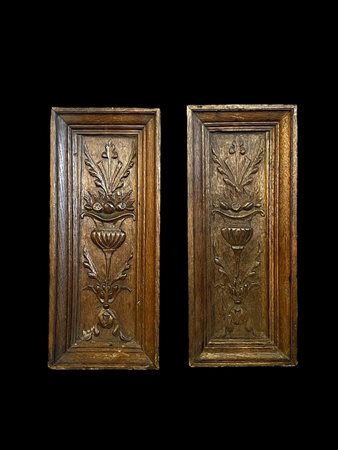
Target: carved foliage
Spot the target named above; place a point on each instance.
(238, 203)
(108, 207)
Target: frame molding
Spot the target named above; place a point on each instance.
(66, 349)
(279, 122)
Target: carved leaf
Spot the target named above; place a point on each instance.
(87, 335)
(88, 197)
(251, 272)
(230, 183)
(253, 168)
(252, 285)
(248, 206)
(223, 169)
(89, 264)
(224, 205)
(123, 273)
(125, 338)
(90, 288)
(95, 171)
(118, 183)
(218, 262)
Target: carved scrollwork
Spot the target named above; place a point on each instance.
(237, 206)
(109, 207)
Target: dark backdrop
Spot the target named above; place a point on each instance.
(150, 79)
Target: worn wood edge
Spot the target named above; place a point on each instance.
(154, 362)
(138, 360)
(52, 241)
(150, 365)
(215, 365)
(190, 230)
(158, 235)
(271, 358)
(240, 107)
(190, 208)
(294, 236)
(104, 110)
(117, 367)
(53, 236)
(61, 366)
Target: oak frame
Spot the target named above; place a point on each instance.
(66, 125)
(281, 347)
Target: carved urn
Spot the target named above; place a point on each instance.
(237, 237)
(108, 240)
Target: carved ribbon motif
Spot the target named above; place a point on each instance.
(239, 204)
(109, 207)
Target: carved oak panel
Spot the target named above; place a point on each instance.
(104, 253)
(242, 235)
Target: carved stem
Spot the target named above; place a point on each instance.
(238, 253)
(108, 254)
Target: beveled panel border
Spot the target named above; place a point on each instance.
(67, 124)
(281, 347)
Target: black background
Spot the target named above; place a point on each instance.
(171, 75)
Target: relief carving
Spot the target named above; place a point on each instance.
(108, 208)
(239, 202)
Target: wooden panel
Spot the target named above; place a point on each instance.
(242, 235)
(104, 238)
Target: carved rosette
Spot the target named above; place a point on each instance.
(237, 207)
(109, 207)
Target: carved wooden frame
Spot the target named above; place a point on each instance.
(68, 348)
(279, 122)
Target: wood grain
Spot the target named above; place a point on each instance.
(242, 235)
(104, 238)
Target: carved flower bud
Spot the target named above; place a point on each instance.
(232, 149)
(248, 206)
(97, 206)
(224, 205)
(235, 206)
(122, 206)
(109, 207)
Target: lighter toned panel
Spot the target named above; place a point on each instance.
(238, 234)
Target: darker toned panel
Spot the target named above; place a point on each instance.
(237, 244)
(104, 182)
(250, 295)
